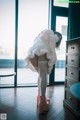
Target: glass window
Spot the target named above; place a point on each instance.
(61, 26)
(33, 18)
(7, 40)
(61, 3)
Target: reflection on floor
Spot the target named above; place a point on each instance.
(20, 104)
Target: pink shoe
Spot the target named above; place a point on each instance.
(38, 98)
(42, 104)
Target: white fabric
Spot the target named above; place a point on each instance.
(44, 43)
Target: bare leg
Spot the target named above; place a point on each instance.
(42, 102)
(42, 80)
(40, 63)
(38, 83)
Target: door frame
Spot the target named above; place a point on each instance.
(61, 12)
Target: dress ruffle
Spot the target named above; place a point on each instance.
(44, 44)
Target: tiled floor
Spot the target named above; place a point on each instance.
(21, 104)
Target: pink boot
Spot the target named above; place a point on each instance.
(42, 103)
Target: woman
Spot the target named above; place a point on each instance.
(41, 58)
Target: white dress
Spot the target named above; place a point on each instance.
(44, 43)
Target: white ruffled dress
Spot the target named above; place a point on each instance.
(44, 43)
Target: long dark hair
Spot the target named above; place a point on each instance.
(60, 38)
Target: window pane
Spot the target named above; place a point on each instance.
(61, 26)
(33, 18)
(61, 3)
(7, 40)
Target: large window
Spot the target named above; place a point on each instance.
(33, 18)
(7, 40)
(59, 22)
(61, 26)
